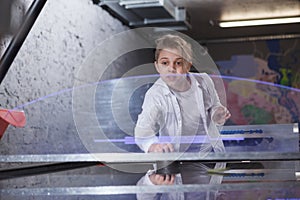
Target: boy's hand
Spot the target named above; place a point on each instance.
(161, 148)
(159, 179)
(221, 115)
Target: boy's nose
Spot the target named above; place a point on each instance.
(172, 67)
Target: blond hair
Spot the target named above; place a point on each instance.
(170, 41)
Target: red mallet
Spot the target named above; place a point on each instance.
(13, 117)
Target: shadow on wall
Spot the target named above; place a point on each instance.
(11, 15)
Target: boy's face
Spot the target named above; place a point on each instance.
(171, 66)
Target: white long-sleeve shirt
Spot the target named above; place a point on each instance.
(162, 112)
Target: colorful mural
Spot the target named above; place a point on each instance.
(263, 90)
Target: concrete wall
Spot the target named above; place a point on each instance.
(40, 82)
(62, 37)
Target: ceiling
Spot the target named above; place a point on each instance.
(203, 17)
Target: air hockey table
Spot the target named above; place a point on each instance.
(262, 162)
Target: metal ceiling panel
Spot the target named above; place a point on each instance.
(140, 13)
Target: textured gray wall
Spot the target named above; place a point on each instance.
(40, 82)
(43, 72)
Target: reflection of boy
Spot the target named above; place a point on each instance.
(178, 104)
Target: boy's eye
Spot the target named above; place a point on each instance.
(164, 63)
(178, 63)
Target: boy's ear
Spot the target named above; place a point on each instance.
(189, 65)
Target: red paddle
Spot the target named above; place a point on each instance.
(13, 117)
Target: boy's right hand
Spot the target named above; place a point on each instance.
(161, 148)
